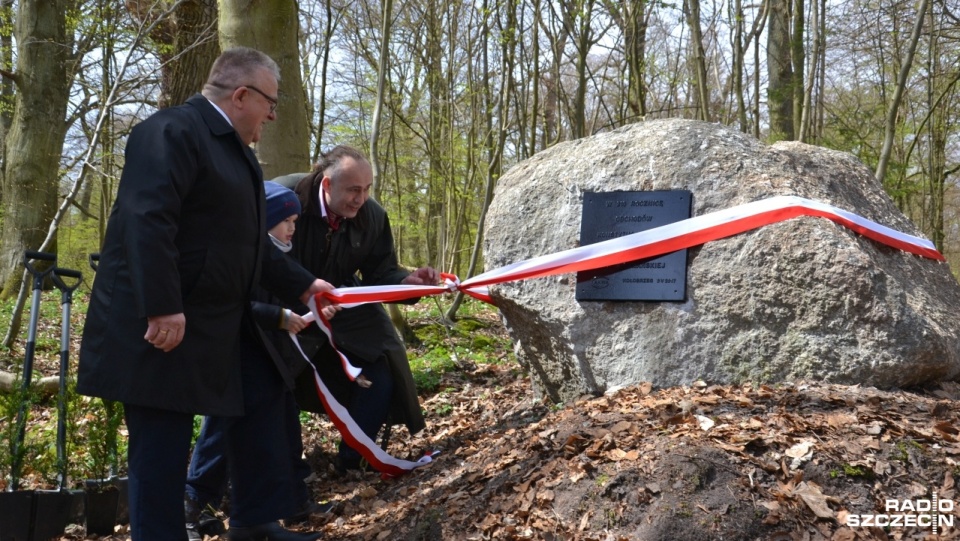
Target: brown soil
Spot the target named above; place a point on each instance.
(696, 463)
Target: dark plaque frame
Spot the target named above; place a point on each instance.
(609, 215)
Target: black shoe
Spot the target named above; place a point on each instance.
(191, 511)
(343, 466)
(201, 521)
(210, 524)
(271, 531)
(309, 508)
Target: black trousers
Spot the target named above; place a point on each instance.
(262, 478)
(157, 454)
(207, 478)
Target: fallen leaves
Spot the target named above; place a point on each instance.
(793, 460)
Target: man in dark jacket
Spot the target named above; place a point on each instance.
(345, 238)
(169, 311)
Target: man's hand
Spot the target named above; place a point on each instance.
(293, 322)
(424, 276)
(318, 286)
(165, 332)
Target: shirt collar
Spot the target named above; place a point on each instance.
(323, 201)
(219, 110)
(334, 223)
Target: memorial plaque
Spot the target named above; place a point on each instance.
(609, 215)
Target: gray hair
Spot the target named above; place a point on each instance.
(233, 68)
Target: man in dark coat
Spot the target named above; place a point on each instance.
(185, 245)
(345, 238)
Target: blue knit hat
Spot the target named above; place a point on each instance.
(281, 203)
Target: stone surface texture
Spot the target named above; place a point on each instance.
(801, 299)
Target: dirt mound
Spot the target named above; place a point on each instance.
(691, 463)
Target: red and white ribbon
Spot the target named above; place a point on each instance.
(316, 315)
(650, 243)
(645, 244)
(351, 433)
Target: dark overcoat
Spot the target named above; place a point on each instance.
(361, 249)
(186, 234)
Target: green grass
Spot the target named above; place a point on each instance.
(474, 339)
(849, 470)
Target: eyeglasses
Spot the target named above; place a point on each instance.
(273, 101)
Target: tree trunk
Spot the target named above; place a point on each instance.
(321, 98)
(35, 141)
(779, 71)
(535, 77)
(738, 62)
(396, 316)
(6, 85)
(890, 125)
(580, 16)
(272, 26)
(495, 139)
(195, 47)
(185, 41)
(436, 134)
(692, 12)
(634, 24)
(45, 387)
(553, 86)
(806, 116)
(797, 60)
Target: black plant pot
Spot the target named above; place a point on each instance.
(100, 504)
(16, 510)
(53, 510)
(123, 511)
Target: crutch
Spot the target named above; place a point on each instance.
(38, 276)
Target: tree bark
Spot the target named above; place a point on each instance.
(195, 47)
(272, 26)
(779, 71)
(692, 12)
(37, 130)
(6, 84)
(797, 59)
(890, 125)
(184, 37)
(495, 138)
(807, 114)
(45, 386)
(321, 98)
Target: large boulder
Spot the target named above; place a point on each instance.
(800, 299)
